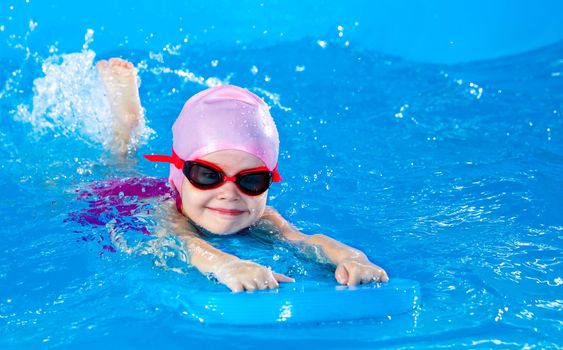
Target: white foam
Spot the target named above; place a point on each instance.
(69, 100)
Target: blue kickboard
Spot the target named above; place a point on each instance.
(300, 302)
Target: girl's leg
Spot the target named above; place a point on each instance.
(120, 81)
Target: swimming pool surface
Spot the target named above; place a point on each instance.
(447, 174)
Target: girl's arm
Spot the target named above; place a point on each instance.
(352, 265)
(237, 274)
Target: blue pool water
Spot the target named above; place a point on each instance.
(450, 175)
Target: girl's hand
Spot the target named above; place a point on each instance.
(241, 275)
(359, 271)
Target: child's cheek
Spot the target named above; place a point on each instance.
(258, 206)
(193, 201)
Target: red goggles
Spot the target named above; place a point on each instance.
(205, 175)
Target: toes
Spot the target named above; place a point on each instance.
(119, 63)
(102, 64)
(116, 61)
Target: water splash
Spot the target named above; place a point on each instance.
(166, 251)
(273, 97)
(88, 39)
(70, 100)
(186, 75)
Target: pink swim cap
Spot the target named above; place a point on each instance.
(225, 117)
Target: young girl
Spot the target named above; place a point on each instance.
(224, 158)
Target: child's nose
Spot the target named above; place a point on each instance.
(229, 191)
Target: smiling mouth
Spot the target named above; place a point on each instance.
(228, 212)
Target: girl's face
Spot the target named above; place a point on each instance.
(225, 209)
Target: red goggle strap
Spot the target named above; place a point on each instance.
(276, 177)
(174, 159)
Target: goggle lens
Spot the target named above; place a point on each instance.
(204, 177)
(255, 182)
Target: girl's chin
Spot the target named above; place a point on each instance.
(215, 230)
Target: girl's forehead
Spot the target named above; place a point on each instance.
(233, 160)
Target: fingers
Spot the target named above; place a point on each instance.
(375, 275)
(257, 284)
(341, 274)
(351, 274)
(269, 284)
(249, 285)
(355, 276)
(235, 286)
(383, 276)
(282, 278)
(267, 279)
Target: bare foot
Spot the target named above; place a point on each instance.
(120, 81)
